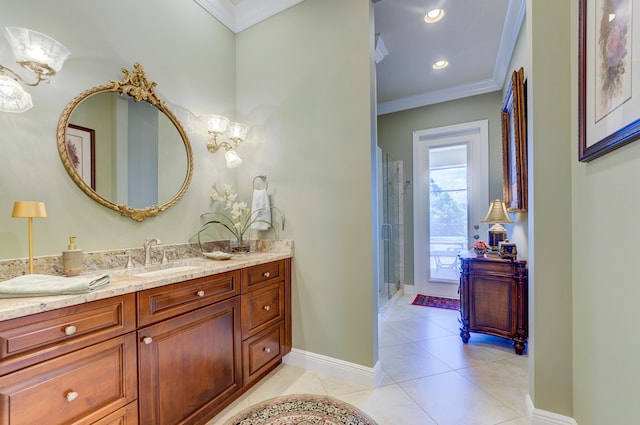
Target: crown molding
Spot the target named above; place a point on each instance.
(438, 96)
(247, 13)
(510, 31)
(222, 10)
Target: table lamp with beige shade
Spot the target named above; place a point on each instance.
(497, 215)
(29, 210)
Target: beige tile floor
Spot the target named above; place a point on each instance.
(429, 376)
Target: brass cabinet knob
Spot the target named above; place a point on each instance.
(266, 308)
(147, 340)
(266, 274)
(200, 293)
(70, 330)
(267, 349)
(71, 395)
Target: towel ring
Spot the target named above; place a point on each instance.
(264, 180)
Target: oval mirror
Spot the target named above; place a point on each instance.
(124, 148)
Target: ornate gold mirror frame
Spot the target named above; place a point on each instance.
(135, 85)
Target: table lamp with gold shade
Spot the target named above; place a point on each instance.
(29, 210)
(497, 215)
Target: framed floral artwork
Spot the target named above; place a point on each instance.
(514, 143)
(81, 144)
(608, 90)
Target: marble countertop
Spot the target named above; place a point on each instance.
(128, 281)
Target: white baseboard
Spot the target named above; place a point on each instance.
(541, 417)
(352, 372)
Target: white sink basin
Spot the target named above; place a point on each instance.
(170, 270)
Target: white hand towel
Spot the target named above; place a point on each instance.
(261, 210)
(34, 285)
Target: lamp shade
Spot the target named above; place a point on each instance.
(26, 209)
(33, 46)
(238, 131)
(215, 123)
(13, 98)
(497, 213)
(233, 160)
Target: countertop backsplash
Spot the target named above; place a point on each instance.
(96, 261)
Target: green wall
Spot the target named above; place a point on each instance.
(549, 136)
(304, 77)
(605, 290)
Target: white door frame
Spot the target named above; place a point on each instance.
(478, 134)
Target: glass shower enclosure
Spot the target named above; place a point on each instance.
(391, 199)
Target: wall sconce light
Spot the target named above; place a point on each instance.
(36, 52)
(216, 126)
(29, 210)
(497, 214)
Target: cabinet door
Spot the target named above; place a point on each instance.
(190, 364)
(492, 307)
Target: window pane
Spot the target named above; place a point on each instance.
(448, 198)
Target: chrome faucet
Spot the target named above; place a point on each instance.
(147, 249)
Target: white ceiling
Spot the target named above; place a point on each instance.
(477, 37)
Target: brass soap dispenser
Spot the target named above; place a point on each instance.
(72, 259)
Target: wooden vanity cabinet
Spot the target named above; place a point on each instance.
(493, 299)
(174, 354)
(209, 340)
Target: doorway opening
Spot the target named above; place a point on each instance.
(450, 193)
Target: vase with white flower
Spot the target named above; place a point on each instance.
(231, 214)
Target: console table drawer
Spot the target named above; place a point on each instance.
(27, 340)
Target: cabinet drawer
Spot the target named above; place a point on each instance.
(80, 388)
(257, 276)
(261, 308)
(262, 351)
(128, 415)
(494, 266)
(170, 300)
(27, 340)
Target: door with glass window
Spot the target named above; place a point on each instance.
(450, 195)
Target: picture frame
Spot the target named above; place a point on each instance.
(81, 148)
(514, 144)
(608, 90)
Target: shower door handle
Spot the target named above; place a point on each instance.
(386, 235)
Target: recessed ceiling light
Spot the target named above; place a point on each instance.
(434, 15)
(440, 64)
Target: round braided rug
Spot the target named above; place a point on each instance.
(303, 409)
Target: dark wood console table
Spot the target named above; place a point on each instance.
(493, 299)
